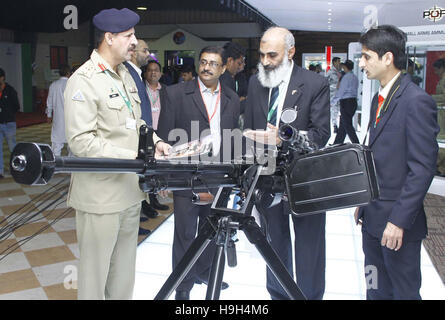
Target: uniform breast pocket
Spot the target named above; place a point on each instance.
(136, 103)
(116, 110)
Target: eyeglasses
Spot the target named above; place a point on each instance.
(212, 64)
(146, 50)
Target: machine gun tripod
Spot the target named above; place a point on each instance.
(222, 226)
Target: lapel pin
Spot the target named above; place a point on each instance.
(294, 92)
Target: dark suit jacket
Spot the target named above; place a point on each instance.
(228, 81)
(307, 92)
(184, 104)
(142, 92)
(405, 151)
(9, 104)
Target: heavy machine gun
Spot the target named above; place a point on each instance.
(312, 180)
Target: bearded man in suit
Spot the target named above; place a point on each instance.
(281, 84)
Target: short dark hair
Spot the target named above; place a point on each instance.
(233, 50)
(2, 73)
(387, 38)
(64, 70)
(99, 36)
(439, 63)
(153, 61)
(187, 68)
(216, 50)
(334, 59)
(348, 64)
(312, 67)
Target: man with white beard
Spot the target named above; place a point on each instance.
(281, 84)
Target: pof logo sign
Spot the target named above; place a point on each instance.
(434, 14)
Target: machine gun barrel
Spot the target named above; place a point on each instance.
(35, 164)
(73, 164)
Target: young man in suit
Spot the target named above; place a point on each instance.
(402, 136)
(196, 106)
(281, 84)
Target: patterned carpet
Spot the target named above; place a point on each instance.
(41, 267)
(435, 242)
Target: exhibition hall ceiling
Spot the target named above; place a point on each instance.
(348, 15)
(304, 15)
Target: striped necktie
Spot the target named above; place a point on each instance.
(379, 108)
(272, 115)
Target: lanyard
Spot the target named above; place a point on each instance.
(127, 102)
(153, 100)
(216, 105)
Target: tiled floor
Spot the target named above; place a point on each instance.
(38, 268)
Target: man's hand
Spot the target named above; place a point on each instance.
(162, 150)
(274, 132)
(356, 219)
(268, 136)
(392, 237)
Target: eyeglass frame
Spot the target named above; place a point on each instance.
(146, 50)
(212, 64)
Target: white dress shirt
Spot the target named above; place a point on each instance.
(282, 89)
(383, 91)
(210, 101)
(138, 70)
(55, 109)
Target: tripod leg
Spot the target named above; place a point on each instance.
(256, 237)
(216, 274)
(205, 235)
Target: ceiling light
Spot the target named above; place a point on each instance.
(142, 8)
(330, 14)
(329, 9)
(329, 21)
(329, 3)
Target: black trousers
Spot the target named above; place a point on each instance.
(392, 274)
(310, 250)
(189, 218)
(347, 111)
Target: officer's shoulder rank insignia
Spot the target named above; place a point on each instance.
(87, 69)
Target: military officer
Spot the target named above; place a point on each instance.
(102, 119)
